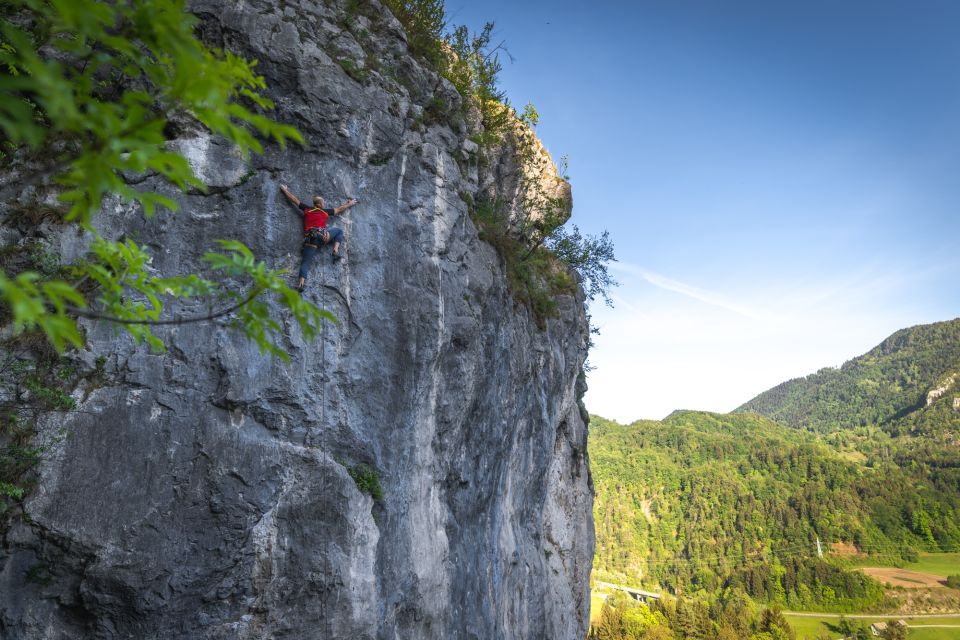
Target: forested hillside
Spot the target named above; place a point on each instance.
(907, 384)
(703, 502)
(725, 512)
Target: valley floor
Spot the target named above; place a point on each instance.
(810, 626)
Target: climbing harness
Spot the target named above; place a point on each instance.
(316, 237)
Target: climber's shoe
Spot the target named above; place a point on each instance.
(337, 257)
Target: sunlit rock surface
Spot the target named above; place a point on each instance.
(204, 493)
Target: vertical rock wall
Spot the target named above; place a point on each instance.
(204, 492)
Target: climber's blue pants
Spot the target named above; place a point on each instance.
(310, 250)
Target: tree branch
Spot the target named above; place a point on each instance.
(92, 315)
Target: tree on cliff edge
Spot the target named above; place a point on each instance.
(539, 261)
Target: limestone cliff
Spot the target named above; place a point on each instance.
(205, 493)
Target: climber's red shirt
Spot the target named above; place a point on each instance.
(314, 217)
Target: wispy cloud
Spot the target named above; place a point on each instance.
(690, 291)
(713, 349)
(620, 302)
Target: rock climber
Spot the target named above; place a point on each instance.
(315, 231)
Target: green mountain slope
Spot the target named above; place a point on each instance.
(703, 502)
(890, 386)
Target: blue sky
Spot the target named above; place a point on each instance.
(780, 179)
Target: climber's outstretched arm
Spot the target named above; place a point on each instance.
(289, 195)
(346, 205)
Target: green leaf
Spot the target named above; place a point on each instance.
(61, 93)
(60, 293)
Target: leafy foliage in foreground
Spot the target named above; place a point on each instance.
(701, 503)
(87, 91)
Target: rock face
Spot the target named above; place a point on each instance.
(205, 493)
(934, 394)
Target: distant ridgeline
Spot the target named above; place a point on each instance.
(703, 502)
(909, 384)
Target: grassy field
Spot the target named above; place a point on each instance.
(811, 627)
(941, 564)
(934, 634)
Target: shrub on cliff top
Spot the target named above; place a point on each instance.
(424, 21)
(470, 61)
(538, 255)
